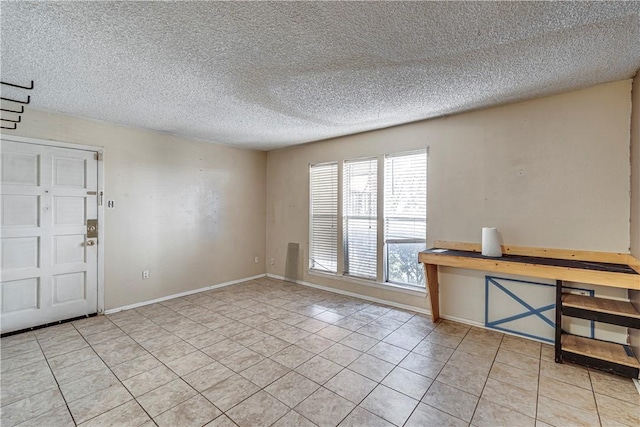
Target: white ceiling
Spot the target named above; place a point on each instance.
(267, 75)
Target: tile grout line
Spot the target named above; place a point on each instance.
(57, 384)
(455, 349)
(23, 354)
(538, 390)
(579, 387)
(162, 364)
(380, 382)
(136, 398)
(428, 388)
(357, 405)
(485, 381)
(111, 370)
(464, 391)
(434, 380)
(595, 401)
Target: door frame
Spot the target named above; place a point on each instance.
(94, 149)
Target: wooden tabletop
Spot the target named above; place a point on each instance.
(574, 270)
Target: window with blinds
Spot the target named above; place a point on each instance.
(360, 217)
(323, 245)
(405, 216)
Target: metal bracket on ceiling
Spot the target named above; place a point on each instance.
(14, 111)
(15, 122)
(17, 100)
(12, 121)
(18, 86)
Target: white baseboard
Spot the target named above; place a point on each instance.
(463, 320)
(356, 295)
(398, 305)
(182, 294)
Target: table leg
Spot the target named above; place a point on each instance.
(558, 340)
(431, 272)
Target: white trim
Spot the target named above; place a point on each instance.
(513, 334)
(52, 143)
(101, 180)
(464, 321)
(356, 295)
(481, 325)
(101, 229)
(182, 294)
(406, 153)
(323, 163)
(371, 283)
(381, 275)
(636, 382)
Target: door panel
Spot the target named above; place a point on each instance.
(19, 253)
(20, 296)
(49, 272)
(68, 288)
(19, 211)
(20, 168)
(68, 172)
(68, 210)
(69, 248)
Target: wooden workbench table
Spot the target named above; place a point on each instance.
(597, 268)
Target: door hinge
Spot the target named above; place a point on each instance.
(98, 156)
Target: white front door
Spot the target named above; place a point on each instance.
(48, 265)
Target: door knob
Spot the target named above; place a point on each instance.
(90, 242)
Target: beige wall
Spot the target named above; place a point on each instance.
(635, 199)
(551, 172)
(190, 212)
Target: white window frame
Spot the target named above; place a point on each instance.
(376, 220)
(385, 241)
(380, 280)
(337, 219)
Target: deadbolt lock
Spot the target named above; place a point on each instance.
(92, 228)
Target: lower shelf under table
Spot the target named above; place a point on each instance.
(612, 357)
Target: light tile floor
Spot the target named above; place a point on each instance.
(267, 352)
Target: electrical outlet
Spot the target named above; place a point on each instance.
(256, 260)
(273, 262)
(145, 274)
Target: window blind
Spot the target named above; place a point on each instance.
(360, 217)
(405, 216)
(323, 244)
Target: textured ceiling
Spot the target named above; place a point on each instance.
(267, 75)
